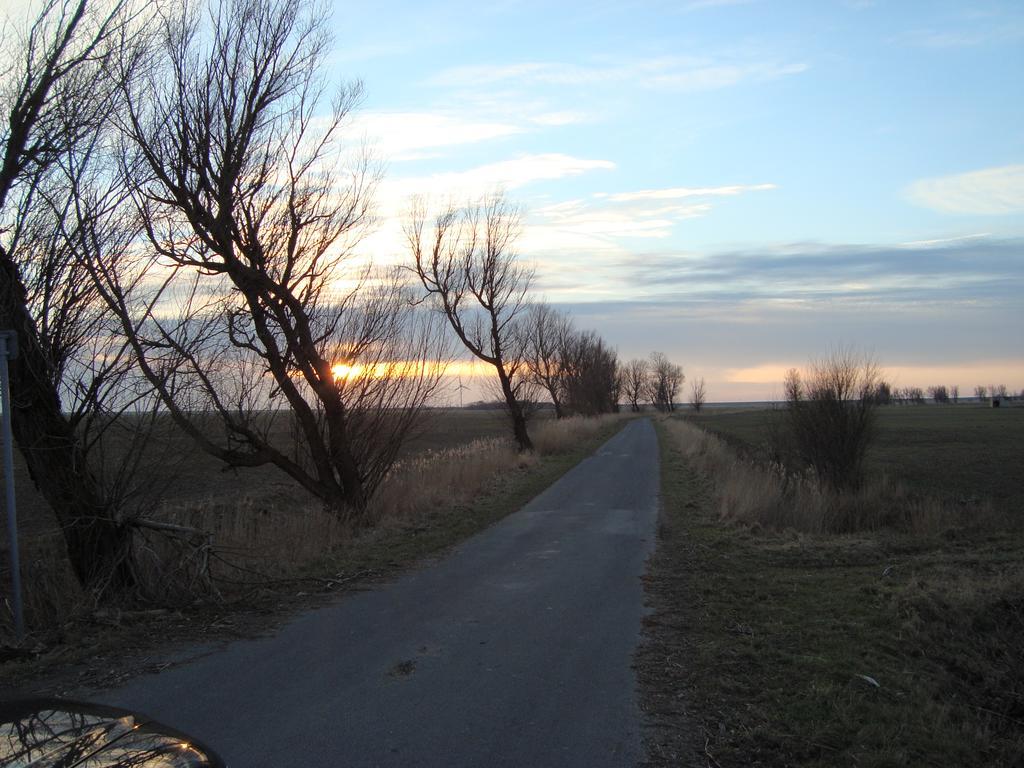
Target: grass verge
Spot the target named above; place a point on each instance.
(103, 648)
(779, 649)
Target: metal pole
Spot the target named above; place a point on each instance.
(12, 511)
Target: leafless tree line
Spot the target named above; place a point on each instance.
(465, 260)
(177, 233)
(658, 381)
(887, 394)
(577, 370)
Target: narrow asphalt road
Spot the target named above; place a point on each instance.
(514, 650)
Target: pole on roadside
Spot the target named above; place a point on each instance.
(9, 351)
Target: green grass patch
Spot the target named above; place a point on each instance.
(770, 639)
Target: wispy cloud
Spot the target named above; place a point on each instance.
(990, 191)
(674, 73)
(410, 135)
(395, 194)
(972, 270)
(675, 193)
(602, 222)
(507, 174)
(399, 136)
(700, 5)
(742, 317)
(963, 34)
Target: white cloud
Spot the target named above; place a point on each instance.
(565, 117)
(675, 193)
(707, 78)
(600, 225)
(943, 240)
(506, 174)
(404, 135)
(965, 34)
(555, 226)
(699, 5)
(395, 194)
(675, 73)
(990, 191)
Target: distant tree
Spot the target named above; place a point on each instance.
(913, 395)
(998, 391)
(883, 393)
(635, 377)
(468, 267)
(939, 393)
(546, 334)
(830, 412)
(664, 382)
(590, 375)
(698, 394)
(954, 393)
(981, 392)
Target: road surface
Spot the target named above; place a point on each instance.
(514, 650)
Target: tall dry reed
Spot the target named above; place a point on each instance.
(230, 544)
(771, 496)
(563, 435)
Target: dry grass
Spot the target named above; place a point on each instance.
(553, 437)
(872, 650)
(276, 536)
(230, 543)
(768, 495)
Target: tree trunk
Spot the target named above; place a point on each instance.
(98, 546)
(515, 410)
(519, 429)
(559, 411)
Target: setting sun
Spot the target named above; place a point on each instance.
(344, 371)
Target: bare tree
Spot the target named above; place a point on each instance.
(546, 333)
(831, 413)
(635, 377)
(467, 266)
(884, 393)
(590, 375)
(698, 394)
(954, 393)
(939, 393)
(57, 89)
(981, 392)
(666, 378)
(251, 220)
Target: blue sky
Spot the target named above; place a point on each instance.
(742, 185)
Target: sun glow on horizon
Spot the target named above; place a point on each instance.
(344, 371)
(379, 370)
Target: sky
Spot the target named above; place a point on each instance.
(744, 186)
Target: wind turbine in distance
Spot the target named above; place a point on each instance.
(460, 388)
